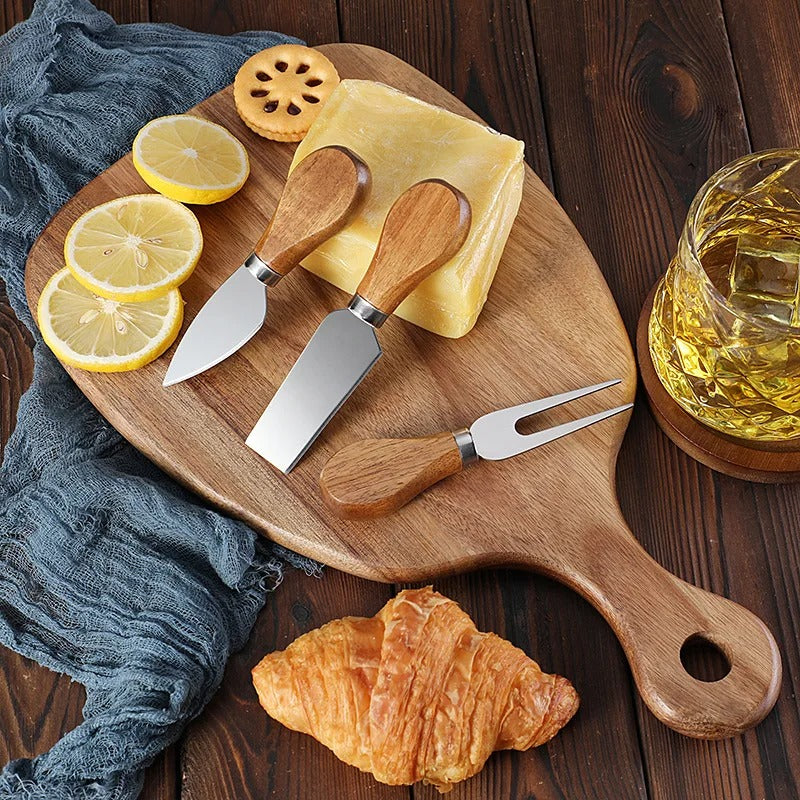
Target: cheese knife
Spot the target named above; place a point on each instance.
(375, 477)
(424, 228)
(320, 197)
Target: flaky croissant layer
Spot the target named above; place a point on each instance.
(415, 693)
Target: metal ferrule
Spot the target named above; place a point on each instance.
(466, 446)
(261, 270)
(364, 310)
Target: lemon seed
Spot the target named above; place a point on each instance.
(88, 316)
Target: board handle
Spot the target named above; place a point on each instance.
(320, 197)
(425, 227)
(375, 477)
(655, 614)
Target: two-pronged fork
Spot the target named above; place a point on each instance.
(374, 477)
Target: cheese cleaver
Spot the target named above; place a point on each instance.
(320, 197)
(424, 228)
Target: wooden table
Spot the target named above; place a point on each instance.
(625, 108)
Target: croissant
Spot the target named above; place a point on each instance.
(413, 693)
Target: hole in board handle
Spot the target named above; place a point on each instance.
(704, 660)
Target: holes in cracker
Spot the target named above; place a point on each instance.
(263, 77)
(293, 109)
(301, 68)
(259, 92)
(310, 98)
(271, 106)
(313, 82)
(281, 66)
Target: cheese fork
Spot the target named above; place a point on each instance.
(375, 477)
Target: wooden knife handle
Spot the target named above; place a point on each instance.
(425, 227)
(655, 614)
(375, 477)
(320, 197)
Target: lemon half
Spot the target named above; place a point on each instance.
(102, 335)
(190, 159)
(134, 248)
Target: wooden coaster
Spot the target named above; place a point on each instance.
(764, 462)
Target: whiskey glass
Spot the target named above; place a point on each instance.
(724, 332)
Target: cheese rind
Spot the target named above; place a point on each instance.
(405, 140)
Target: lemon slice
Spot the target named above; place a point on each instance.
(104, 335)
(190, 159)
(134, 248)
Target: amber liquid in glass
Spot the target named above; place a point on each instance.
(731, 357)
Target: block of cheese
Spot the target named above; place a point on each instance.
(404, 140)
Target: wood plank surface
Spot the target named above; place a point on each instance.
(12, 12)
(314, 22)
(764, 39)
(657, 82)
(631, 138)
(479, 50)
(764, 42)
(36, 707)
(125, 11)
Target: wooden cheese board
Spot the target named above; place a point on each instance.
(550, 325)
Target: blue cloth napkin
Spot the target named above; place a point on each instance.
(109, 571)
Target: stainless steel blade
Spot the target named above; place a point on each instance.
(230, 317)
(336, 359)
(495, 435)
